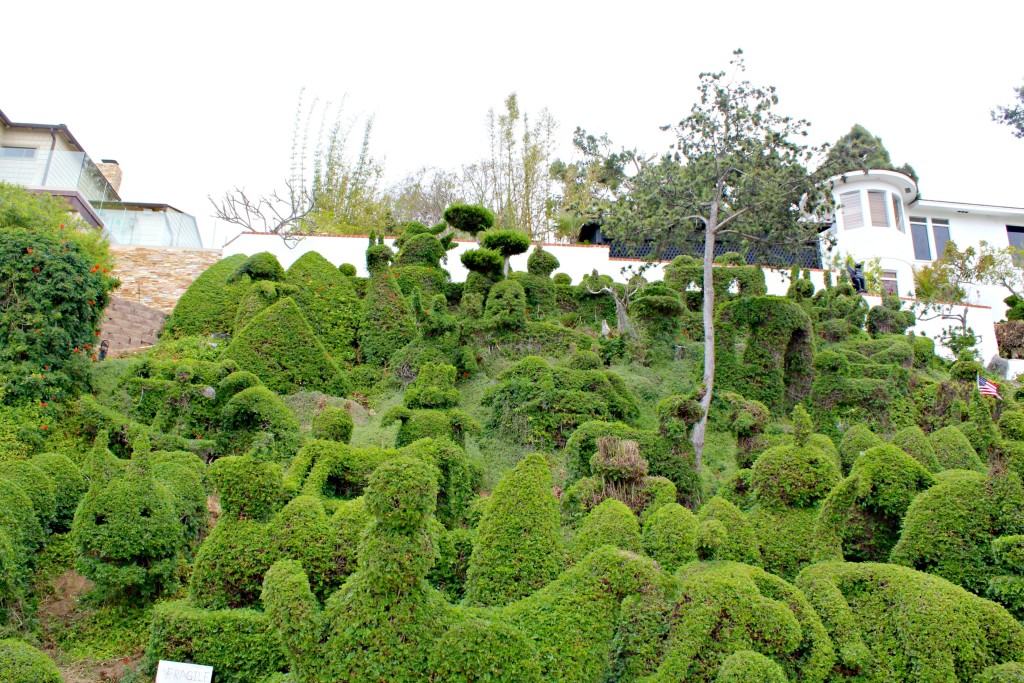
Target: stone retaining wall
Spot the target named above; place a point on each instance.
(158, 276)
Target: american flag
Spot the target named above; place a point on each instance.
(986, 388)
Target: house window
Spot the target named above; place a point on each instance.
(17, 152)
(919, 233)
(1015, 235)
(853, 213)
(876, 205)
(897, 213)
(889, 283)
(940, 231)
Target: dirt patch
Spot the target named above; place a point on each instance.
(63, 596)
(99, 672)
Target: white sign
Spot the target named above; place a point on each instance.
(176, 672)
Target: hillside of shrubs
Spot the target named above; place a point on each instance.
(317, 477)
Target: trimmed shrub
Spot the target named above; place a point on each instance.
(387, 323)
(860, 519)
(915, 443)
(37, 485)
(948, 529)
(334, 424)
(1011, 672)
(260, 296)
(953, 450)
(670, 536)
(541, 262)
(1008, 589)
(1011, 424)
(240, 644)
(470, 218)
(506, 306)
(248, 489)
(301, 531)
(22, 663)
(723, 533)
(261, 266)
(892, 623)
(128, 537)
(229, 567)
(258, 411)
(208, 306)
(793, 476)
(856, 441)
(18, 518)
(280, 348)
(329, 302)
(747, 666)
(508, 243)
(518, 547)
(347, 269)
(434, 387)
(236, 382)
(477, 650)
(421, 250)
(610, 523)
(725, 608)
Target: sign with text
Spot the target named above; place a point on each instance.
(176, 672)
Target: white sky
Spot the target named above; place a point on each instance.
(193, 98)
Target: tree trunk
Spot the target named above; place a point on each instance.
(505, 266)
(622, 317)
(708, 315)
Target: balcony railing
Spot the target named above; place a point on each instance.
(58, 170)
(167, 228)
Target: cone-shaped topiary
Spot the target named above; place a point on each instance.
(280, 348)
(953, 450)
(260, 296)
(518, 547)
(328, 301)
(610, 523)
(22, 663)
(69, 486)
(860, 519)
(387, 323)
(856, 441)
(670, 536)
(915, 443)
(208, 305)
(892, 623)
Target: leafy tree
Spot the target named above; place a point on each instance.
(859, 150)
(1012, 115)
(942, 291)
(587, 183)
(736, 169)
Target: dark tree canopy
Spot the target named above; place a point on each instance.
(859, 150)
(1013, 114)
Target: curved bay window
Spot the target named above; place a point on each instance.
(872, 208)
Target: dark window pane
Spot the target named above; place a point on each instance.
(922, 252)
(941, 233)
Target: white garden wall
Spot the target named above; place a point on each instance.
(579, 260)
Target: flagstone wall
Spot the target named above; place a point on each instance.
(158, 276)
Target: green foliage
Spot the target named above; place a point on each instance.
(485, 262)
(889, 318)
(541, 262)
(856, 441)
(37, 485)
(230, 564)
(434, 387)
(22, 663)
(248, 489)
(52, 297)
(948, 529)
(280, 348)
(506, 306)
(1008, 589)
(610, 523)
(387, 323)
(239, 644)
(19, 520)
(256, 415)
(726, 608)
(859, 150)
(421, 250)
(477, 650)
(1011, 425)
(259, 296)
(347, 269)
(793, 476)
(724, 533)
(518, 548)
(334, 424)
(128, 536)
(891, 623)
(860, 519)
(69, 486)
(685, 274)
(747, 666)
(953, 450)
(914, 442)
(329, 303)
(471, 218)
(208, 306)
(505, 242)
(776, 364)
(261, 266)
(670, 536)
(378, 256)
(1011, 672)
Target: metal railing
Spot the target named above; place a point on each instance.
(58, 170)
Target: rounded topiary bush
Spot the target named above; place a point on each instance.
(506, 306)
(471, 218)
(18, 518)
(347, 269)
(953, 450)
(69, 486)
(37, 485)
(670, 536)
(261, 266)
(257, 410)
(518, 546)
(334, 424)
(22, 663)
(747, 666)
(248, 489)
(856, 441)
(229, 567)
(237, 381)
(541, 262)
(723, 533)
(128, 536)
(420, 250)
(1011, 424)
(793, 476)
(610, 523)
(915, 443)
(477, 650)
(1011, 672)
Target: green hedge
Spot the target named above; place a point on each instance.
(953, 450)
(280, 348)
(387, 322)
(477, 650)
(22, 663)
(670, 536)
(518, 547)
(610, 523)
(69, 486)
(208, 306)
(329, 302)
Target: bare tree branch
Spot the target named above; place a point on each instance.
(268, 214)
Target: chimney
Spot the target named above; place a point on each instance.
(111, 170)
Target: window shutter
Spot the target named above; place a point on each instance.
(853, 212)
(876, 204)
